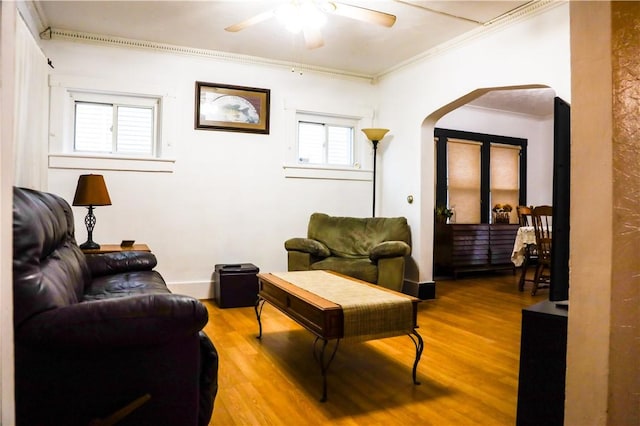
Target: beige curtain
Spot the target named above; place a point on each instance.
(463, 168)
(505, 177)
(31, 111)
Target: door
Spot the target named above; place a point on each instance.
(559, 287)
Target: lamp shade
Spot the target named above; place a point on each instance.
(375, 134)
(91, 191)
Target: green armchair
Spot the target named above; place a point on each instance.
(370, 249)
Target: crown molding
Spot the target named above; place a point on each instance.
(92, 38)
(527, 11)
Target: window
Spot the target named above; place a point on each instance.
(325, 140)
(476, 171)
(115, 124)
(100, 124)
(463, 166)
(505, 176)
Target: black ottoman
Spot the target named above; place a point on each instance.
(236, 285)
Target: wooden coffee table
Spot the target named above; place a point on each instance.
(302, 296)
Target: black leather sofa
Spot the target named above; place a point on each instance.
(95, 333)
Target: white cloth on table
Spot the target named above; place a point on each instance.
(526, 235)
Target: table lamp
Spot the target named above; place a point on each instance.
(375, 136)
(91, 191)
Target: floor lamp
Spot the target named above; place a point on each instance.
(375, 136)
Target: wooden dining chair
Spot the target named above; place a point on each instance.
(542, 224)
(524, 215)
(525, 218)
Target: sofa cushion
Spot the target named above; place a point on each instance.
(354, 237)
(116, 262)
(125, 284)
(360, 268)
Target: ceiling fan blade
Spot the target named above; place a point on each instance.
(363, 14)
(251, 21)
(313, 38)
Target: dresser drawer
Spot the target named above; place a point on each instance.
(321, 321)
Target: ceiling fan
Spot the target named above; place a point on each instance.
(308, 16)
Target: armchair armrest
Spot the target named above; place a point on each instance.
(307, 245)
(126, 261)
(116, 322)
(388, 249)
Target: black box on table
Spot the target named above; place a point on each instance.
(236, 285)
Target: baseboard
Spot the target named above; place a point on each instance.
(198, 289)
(423, 291)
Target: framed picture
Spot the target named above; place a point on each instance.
(232, 108)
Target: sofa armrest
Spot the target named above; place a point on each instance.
(307, 245)
(117, 262)
(388, 249)
(116, 322)
(208, 379)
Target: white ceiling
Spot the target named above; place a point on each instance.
(538, 102)
(351, 46)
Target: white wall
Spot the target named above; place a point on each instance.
(7, 134)
(227, 200)
(537, 130)
(536, 51)
(228, 195)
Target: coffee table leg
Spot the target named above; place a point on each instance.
(417, 341)
(324, 365)
(258, 307)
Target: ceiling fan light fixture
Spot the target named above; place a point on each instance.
(298, 15)
(327, 6)
(311, 16)
(308, 16)
(287, 14)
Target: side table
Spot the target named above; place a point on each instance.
(112, 248)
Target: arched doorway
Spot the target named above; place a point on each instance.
(502, 110)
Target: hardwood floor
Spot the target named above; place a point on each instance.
(469, 368)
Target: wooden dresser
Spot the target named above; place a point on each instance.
(468, 248)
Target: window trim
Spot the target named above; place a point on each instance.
(362, 170)
(443, 135)
(62, 111)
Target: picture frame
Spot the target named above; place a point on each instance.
(232, 108)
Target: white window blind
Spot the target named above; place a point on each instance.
(93, 129)
(311, 143)
(340, 145)
(126, 126)
(321, 142)
(135, 130)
